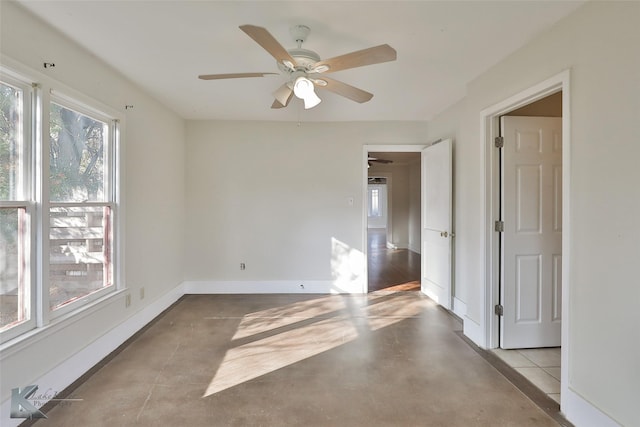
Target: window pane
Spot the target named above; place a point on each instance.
(375, 202)
(80, 258)
(14, 298)
(77, 156)
(10, 141)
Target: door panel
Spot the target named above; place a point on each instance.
(436, 222)
(532, 238)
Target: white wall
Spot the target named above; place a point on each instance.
(275, 196)
(599, 44)
(153, 143)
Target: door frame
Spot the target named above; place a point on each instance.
(365, 180)
(487, 332)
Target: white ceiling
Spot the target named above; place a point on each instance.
(164, 45)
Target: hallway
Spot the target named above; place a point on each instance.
(381, 359)
(390, 269)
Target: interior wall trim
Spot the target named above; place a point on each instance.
(582, 413)
(268, 287)
(459, 308)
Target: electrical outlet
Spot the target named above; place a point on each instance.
(127, 300)
(242, 266)
(142, 292)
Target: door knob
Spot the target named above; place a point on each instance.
(444, 234)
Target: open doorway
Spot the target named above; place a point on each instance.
(393, 221)
(528, 267)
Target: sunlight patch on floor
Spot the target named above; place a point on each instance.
(258, 358)
(332, 325)
(278, 317)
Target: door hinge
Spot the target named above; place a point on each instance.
(499, 141)
(499, 310)
(499, 226)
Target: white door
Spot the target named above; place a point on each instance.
(532, 239)
(436, 222)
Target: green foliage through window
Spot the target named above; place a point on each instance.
(10, 144)
(77, 155)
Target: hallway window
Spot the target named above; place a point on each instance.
(374, 205)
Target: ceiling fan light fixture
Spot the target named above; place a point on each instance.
(311, 101)
(303, 89)
(320, 69)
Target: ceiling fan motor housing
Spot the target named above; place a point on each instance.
(305, 58)
(299, 33)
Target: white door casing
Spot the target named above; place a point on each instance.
(436, 222)
(531, 208)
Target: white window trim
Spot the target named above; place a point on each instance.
(42, 87)
(84, 107)
(25, 199)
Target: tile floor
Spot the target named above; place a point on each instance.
(541, 366)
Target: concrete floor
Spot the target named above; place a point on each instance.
(382, 359)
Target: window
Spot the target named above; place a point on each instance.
(16, 296)
(374, 205)
(80, 205)
(58, 212)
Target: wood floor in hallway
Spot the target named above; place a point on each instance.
(378, 359)
(390, 269)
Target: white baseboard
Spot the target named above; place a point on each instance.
(459, 308)
(74, 367)
(269, 287)
(582, 413)
(472, 330)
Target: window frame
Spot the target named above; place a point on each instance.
(43, 90)
(24, 199)
(82, 107)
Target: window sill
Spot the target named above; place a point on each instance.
(27, 339)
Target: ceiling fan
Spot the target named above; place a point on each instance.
(305, 70)
(377, 160)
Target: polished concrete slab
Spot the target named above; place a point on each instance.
(381, 359)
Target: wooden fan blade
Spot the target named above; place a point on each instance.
(372, 55)
(383, 161)
(283, 95)
(345, 90)
(268, 42)
(231, 76)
